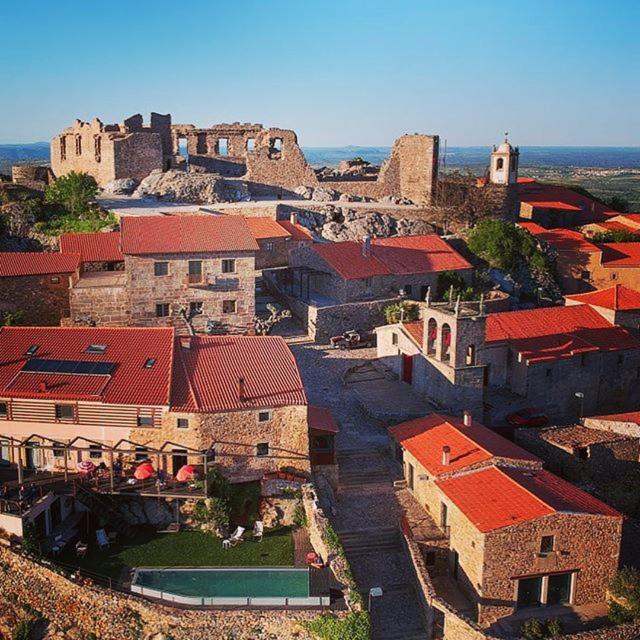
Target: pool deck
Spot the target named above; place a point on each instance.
(321, 581)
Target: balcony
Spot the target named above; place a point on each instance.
(216, 283)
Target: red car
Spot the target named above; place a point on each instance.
(527, 418)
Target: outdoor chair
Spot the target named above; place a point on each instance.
(235, 538)
(102, 539)
(81, 549)
(258, 530)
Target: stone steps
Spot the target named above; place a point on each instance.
(368, 541)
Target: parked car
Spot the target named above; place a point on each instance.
(527, 418)
(351, 340)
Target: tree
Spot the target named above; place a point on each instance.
(625, 591)
(618, 203)
(263, 326)
(501, 244)
(405, 310)
(75, 192)
(616, 235)
(449, 279)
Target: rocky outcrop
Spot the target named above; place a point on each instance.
(120, 187)
(178, 186)
(147, 511)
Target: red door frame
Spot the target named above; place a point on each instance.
(407, 368)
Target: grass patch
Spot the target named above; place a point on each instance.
(66, 223)
(186, 548)
(355, 626)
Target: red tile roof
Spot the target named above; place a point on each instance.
(61, 386)
(392, 256)
(617, 225)
(321, 419)
(127, 348)
(621, 254)
(557, 332)
(543, 204)
(185, 234)
(618, 298)
(425, 437)
(266, 228)
(630, 416)
(415, 330)
(297, 231)
(206, 376)
(561, 239)
(93, 247)
(24, 263)
(494, 498)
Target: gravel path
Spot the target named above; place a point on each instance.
(368, 511)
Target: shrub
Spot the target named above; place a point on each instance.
(619, 614)
(532, 629)
(30, 539)
(625, 587)
(75, 192)
(448, 279)
(404, 310)
(554, 628)
(501, 244)
(355, 626)
(299, 517)
(23, 630)
(617, 235)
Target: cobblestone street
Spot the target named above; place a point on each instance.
(368, 513)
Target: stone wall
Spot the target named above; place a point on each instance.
(32, 176)
(107, 306)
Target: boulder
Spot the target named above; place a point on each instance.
(413, 227)
(157, 512)
(178, 186)
(120, 187)
(324, 195)
(304, 192)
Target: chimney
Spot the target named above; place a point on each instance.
(366, 246)
(241, 389)
(42, 387)
(185, 342)
(446, 455)
(293, 218)
(466, 418)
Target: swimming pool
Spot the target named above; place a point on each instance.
(211, 586)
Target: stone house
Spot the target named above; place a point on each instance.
(237, 399)
(276, 238)
(202, 264)
(373, 269)
(98, 251)
(618, 304)
(629, 222)
(496, 363)
(518, 536)
(37, 285)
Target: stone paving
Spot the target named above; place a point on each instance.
(368, 513)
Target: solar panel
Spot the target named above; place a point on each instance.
(41, 365)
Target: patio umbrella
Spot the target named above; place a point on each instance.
(185, 473)
(144, 471)
(86, 466)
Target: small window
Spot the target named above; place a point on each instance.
(394, 338)
(368, 282)
(65, 412)
(161, 268)
(162, 310)
(96, 348)
(4, 410)
(499, 164)
(470, 357)
(262, 449)
(195, 271)
(145, 421)
(264, 416)
(95, 451)
(32, 349)
(149, 363)
(251, 144)
(228, 306)
(195, 307)
(55, 280)
(78, 145)
(549, 373)
(223, 146)
(583, 453)
(97, 147)
(408, 289)
(268, 246)
(182, 423)
(58, 450)
(142, 453)
(547, 544)
(275, 148)
(228, 265)
(586, 275)
(63, 147)
(614, 276)
(620, 358)
(583, 360)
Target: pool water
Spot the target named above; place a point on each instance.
(226, 583)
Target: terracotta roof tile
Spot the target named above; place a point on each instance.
(621, 254)
(297, 231)
(392, 256)
(93, 247)
(24, 263)
(415, 330)
(321, 419)
(561, 239)
(264, 228)
(618, 298)
(629, 416)
(185, 234)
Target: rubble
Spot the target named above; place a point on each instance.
(120, 187)
(199, 188)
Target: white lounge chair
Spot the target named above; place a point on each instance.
(101, 538)
(235, 538)
(258, 530)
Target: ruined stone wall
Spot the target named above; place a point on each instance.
(32, 176)
(146, 289)
(41, 301)
(137, 155)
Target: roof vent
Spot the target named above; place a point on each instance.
(241, 389)
(96, 348)
(185, 342)
(149, 363)
(446, 455)
(293, 218)
(32, 349)
(466, 419)
(42, 387)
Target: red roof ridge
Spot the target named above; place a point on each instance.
(183, 365)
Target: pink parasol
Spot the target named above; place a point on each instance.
(185, 473)
(144, 471)
(86, 466)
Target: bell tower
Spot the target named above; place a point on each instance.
(504, 163)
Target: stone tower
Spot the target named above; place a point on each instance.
(504, 164)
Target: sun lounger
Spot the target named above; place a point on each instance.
(235, 538)
(258, 530)
(102, 539)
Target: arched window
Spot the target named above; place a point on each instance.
(432, 336)
(446, 342)
(499, 164)
(470, 359)
(78, 145)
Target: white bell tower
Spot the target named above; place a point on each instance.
(504, 163)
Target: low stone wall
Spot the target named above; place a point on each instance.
(76, 611)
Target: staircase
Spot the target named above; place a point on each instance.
(365, 541)
(103, 505)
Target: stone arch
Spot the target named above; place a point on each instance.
(445, 341)
(499, 164)
(432, 336)
(470, 355)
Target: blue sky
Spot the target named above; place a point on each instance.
(338, 71)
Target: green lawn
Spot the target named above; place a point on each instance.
(186, 548)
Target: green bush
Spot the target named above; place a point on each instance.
(299, 517)
(625, 587)
(619, 614)
(617, 235)
(449, 279)
(554, 628)
(23, 630)
(67, 223)
(355, 626)
(502, 244)
(405, 310)
(75, 192)
(532, 629)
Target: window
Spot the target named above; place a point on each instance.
(97, 147)
(223, 146)
(586, 275)
(182, 423)
(145, 421)
(4, 410)
(201, 144)
(408, 290)
(162, 310)
(251, 144)
(368, 282)
(78, 145)
(95, 451)
(614, 276)
(58, 450)
(142, 453)
(470, 359)
(63, 147)
(96, 348)
(264, 416)
(228, 265)
(620, 358)
(583, 360)
(195, 307)
(268, 246)
(65, 412)
(161, 268)
(500, 164)
(394, 338)
(195, 271)
(275, 148)
(262, 449)
(547, 544)
(149, 363)
(228, 306)
(548, 373)
(55, 280)
(32, 349)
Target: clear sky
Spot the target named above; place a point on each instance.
(339, 72)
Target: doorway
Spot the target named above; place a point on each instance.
(178, 459)
(33, 455)
(529, 592)
(410, 478)
(407, 368)
(559, 589)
